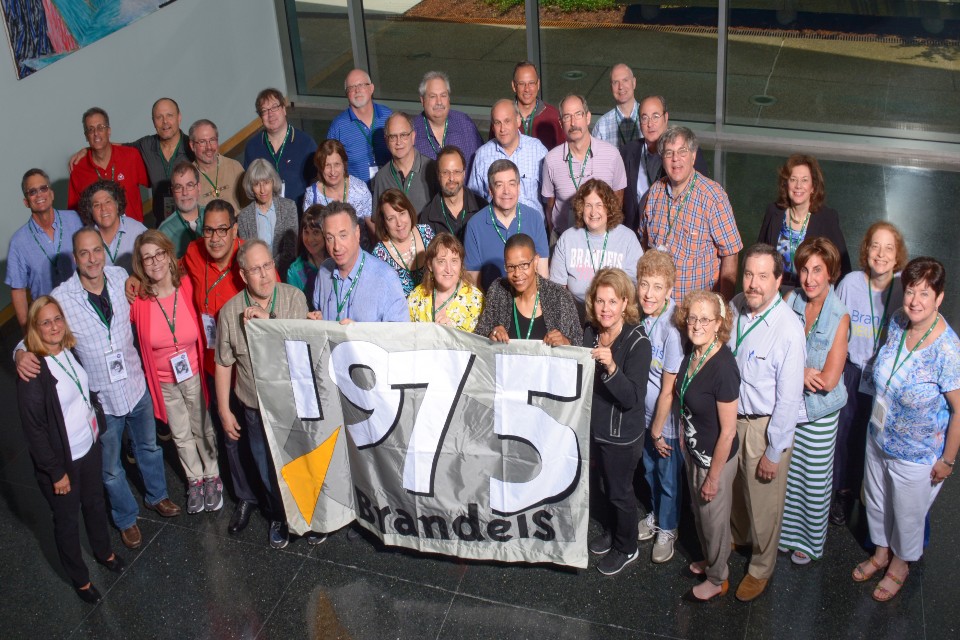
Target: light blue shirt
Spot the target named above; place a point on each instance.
(528, 156)
(771, 359)
(607, 127)
(120, 250)
(377, 295)
(266, 222)
(39, 263)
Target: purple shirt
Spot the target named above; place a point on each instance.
(461, 133)
(603, 162)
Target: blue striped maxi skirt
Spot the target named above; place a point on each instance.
(810, 486)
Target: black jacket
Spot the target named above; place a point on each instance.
(619, 413)
(825, 223)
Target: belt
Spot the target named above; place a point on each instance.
(752, 416)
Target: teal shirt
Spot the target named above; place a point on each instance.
(179, 232)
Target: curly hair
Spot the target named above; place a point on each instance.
(85, 204)
(719, 306)
(610, 202)
(622, 286)
(816, 175)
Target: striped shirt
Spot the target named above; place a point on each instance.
(618, 129)
(602, 161)
(528, 156)
(697, 231)
(366, 147)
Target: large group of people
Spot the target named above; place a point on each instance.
(773, 405)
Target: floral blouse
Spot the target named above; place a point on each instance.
(409, 279)
(463, 310)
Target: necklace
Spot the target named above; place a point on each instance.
(612, 340)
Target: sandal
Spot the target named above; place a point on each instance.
(859, 573)
(882, 594)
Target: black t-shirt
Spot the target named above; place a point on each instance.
(717, 381)
(539, 331)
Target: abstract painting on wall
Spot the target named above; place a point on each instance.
(41, 32)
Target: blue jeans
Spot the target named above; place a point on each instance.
(663, 477)
(142, 429)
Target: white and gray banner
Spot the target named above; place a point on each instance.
(431, 438)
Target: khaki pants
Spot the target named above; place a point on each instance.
(758, 504)
(713, 518)
(191, 428)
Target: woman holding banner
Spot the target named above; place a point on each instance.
(617, 420)
(446, 296)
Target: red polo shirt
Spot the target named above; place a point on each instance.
(126, 168)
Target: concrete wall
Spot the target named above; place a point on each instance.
(211, 56)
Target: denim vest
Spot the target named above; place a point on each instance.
(819, 341)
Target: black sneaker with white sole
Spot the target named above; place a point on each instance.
(614, 562)
(601, 544)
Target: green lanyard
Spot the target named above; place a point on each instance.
(396, 177)
(633, 121)
(453, 295)
(671, 214)
(323, 192)
(741, 338)
(336, 292)
(883, 321)
(168, 164)
(100, 315)
(186, 227)
(113, 171)
(206, 297)
(659, 315)
(583, 167)
(53, 260)
(493, 221)
(688, 377)
(443, 143)
(402, 261)
(603, 254)
(366, 132)
(903, 339)
(72, 374)
(172, 324)
(527, 122)
(214, 182)
(276, 156)
(533, 317)
(273, 301)
(792, 244)
(113, 256)
(446, 218)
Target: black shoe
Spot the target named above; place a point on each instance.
(601, 544)
(838, 509)
(117, 565)
(129, 453)
(314, 538)
(352, 533)
(163, 432)
(89, 595)
(615, 561)
(241, 517)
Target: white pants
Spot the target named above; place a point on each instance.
(898, 496)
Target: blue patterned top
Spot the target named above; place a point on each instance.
(917, 416)
(409, 279)
(787, 243)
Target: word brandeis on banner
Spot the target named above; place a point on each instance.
(428, 437)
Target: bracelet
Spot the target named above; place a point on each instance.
(660, 437)
(949, 463)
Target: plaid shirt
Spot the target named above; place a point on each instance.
(704, 230)
(118, 398)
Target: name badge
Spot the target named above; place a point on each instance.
(878, 416)
(94, 427)
(662, 247)
(169, 206)
(373, 171)
(867, 386)
(180, 364)
(116, 367)
(209, 330)
(283, 188)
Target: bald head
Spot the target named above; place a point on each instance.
(505, 120)
(358, 88)
(623, 85)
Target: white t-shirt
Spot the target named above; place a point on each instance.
(76, 412)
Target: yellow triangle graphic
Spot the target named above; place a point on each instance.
(305, 475)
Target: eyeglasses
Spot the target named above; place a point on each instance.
(100, 128)
(180, 188)
(682, 152)
(693, 321)
(49, 322)
(221, 232)
(524, 85)
(271, 110)
(262, 270)
(206, 143)
(357, 87)
(570, 117)
(395, 137)
(655, 118)
(158, 257)
(32, 193)
(453, 173)
(520, 266)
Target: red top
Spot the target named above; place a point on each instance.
(210, 292)
(125, 168)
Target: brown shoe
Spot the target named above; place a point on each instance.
(166, 508)
(131, 537)
(750, 588)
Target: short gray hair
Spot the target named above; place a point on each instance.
(203, 122)
(673, 133)
(513, 103)
(499, 166)
(433, 75)
(579, 97)
(258, 171)
(365, 75)
(245, 249)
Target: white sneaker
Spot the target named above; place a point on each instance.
(647, 527)
(663, 547)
